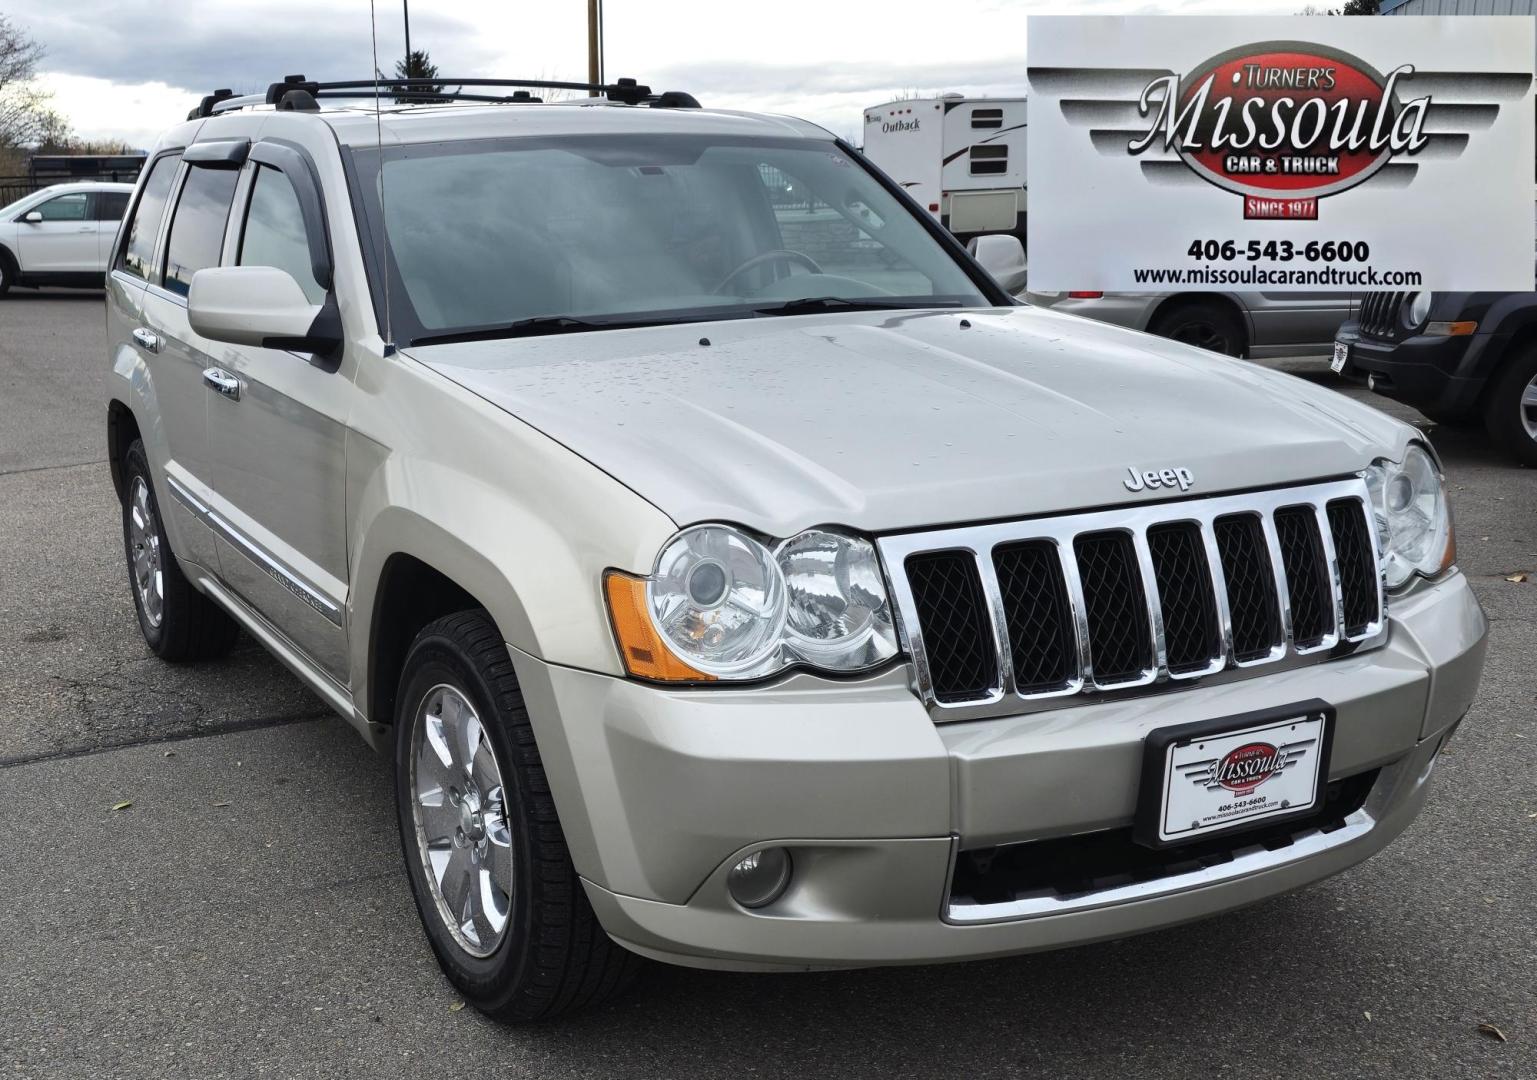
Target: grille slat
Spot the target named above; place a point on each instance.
(952, 615)
(1120, 640)
(1117, 599)
(1379, 314)
(1307, 580)
(1251, 592)
(1358, 565)
(1186, 598)
(1042, 645)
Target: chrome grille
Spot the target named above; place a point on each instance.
(1018, 615)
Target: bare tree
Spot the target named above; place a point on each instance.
(25, 114)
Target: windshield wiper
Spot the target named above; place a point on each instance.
(810, 305)
(537, 326)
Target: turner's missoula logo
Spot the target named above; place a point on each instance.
(1283, 124)
(1247, 766)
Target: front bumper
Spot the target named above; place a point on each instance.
(660, 792)
(1443, 374)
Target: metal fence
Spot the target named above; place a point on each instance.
(19, 187)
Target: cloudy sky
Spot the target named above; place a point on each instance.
(128, 68)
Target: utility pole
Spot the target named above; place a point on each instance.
(594, 44)
(406, 4)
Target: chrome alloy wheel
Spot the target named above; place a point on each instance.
(460, 811)
(144, 552)
(1528, 407)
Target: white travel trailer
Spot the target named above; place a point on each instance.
(962, 158)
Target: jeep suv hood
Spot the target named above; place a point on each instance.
(885, 422)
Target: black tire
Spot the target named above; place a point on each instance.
(191, 627)
(1203, 323)
(553, 958)
(8, 271)
(1505, 417)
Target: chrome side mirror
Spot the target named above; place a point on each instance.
(1002, 256)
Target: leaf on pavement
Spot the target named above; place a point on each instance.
(456, 1006)
(1518, 577)
(220, 804)
(124, 805)
(1493, 1032)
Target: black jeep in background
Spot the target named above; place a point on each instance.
(1459, 358)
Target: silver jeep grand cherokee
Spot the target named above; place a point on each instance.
(743, 580)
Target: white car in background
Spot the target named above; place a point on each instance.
(61, 235)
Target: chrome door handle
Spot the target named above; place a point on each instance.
(148, 340)
(222, 382)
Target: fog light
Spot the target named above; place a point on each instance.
(760, 878)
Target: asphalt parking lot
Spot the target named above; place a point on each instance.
(247, 914)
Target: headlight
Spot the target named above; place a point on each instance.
(1415, 310)
(1414, 522)
(721, 604)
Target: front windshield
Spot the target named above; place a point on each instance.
(579, 232)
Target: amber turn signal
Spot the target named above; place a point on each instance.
(644, 653)
(1450, 329)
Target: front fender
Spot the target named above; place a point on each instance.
(519, 522)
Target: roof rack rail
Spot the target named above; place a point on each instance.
(298, 93)
(625, 91)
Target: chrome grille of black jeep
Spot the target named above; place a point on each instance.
(1378, 316)
(1020, 612)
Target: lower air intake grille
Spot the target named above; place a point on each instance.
(1307, 581)
(956, 627)
(1120, 649)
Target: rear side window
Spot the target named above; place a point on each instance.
(274, 232)
(110, 205)
(139, 251)
(197, 230)
(987, 118)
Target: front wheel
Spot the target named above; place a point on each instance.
(1510, 409)
(499, 898)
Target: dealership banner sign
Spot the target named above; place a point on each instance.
(1349, 154)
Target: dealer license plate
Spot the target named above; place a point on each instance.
(1206, 778)
(1341, 357)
